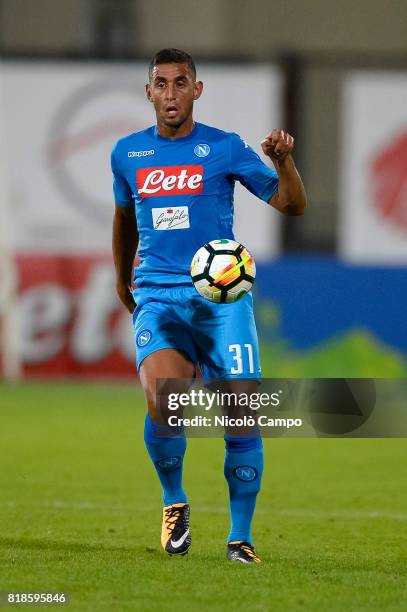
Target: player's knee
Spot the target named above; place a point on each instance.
(157, 401)
(149, 388)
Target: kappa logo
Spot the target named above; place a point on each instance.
(169, 180)
(140, 153)
(143, 337)
(245, 473)
(202, 150)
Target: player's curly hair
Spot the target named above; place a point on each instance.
(171, 56)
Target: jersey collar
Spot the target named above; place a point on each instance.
(190, 136)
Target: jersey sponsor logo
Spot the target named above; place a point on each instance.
(170, 218)
(143, 337)
(140, 153)
(202, 150)
(169, 180)
(245, 473)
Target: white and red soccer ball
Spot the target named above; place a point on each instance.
(223, 271)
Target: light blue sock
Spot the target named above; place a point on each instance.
(167, 454)
(243, 471)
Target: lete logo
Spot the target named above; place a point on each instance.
(389, 178)
(169, 180)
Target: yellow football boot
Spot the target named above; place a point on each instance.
(176, 533)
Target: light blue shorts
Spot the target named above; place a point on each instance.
(220, 338)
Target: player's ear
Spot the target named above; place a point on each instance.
(198, 88)
(148, 93)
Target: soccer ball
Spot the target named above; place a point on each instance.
(223, 271)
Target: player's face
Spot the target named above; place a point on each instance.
(172, 90)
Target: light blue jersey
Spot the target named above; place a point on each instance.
(182, 191)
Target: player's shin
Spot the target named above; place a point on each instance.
(243, 471)
(167, 450)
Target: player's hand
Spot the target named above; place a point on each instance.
(278, 145)
(125, 296)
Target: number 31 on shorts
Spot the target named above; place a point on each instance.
(242, 356)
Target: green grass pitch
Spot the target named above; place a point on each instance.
(80, 512)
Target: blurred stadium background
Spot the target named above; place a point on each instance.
(331, 299)
(331, 290)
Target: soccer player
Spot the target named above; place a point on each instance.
(173, 188)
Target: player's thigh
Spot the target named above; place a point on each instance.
(157, 327)
(228, 342)
(164, 348)
(163, 372)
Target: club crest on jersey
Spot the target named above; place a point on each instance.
(169, 180)
(143, 337)
(202, 150)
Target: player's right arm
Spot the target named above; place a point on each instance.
(125, 233)
(124, 244)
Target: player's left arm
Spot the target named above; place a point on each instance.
(290, 198)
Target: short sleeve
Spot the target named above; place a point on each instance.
(247, 167)
(121, 189)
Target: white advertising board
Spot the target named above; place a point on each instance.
(62, 119)
(373, 199)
